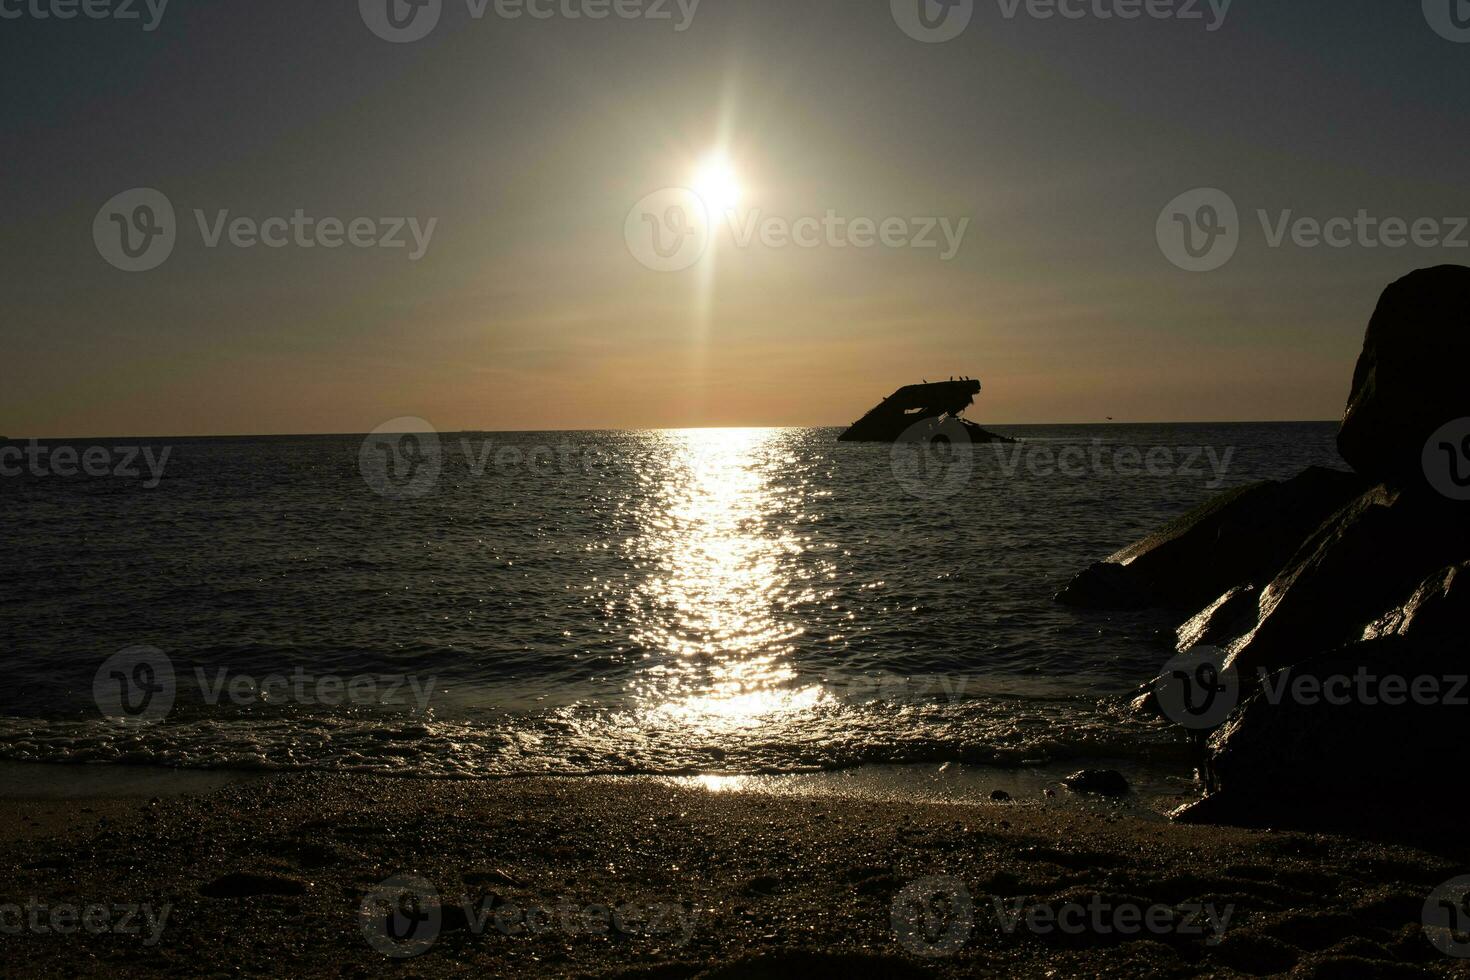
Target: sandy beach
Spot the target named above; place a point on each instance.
(647, 878)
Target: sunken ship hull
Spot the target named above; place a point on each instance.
(912, 407)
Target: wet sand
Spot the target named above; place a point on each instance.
(283, 875)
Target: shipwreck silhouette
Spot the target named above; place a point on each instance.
(915, 409)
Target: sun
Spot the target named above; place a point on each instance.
(716, 184)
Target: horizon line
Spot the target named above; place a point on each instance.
(693, 428)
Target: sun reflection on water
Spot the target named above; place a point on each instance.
(712, 613)
(720, 784)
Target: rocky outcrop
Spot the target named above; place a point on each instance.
(1341, 601)
(1222, 620)
(1357, 568)
(1410, 379)
(1353, 739)
(1242, 537)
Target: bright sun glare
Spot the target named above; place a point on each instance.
(716, 184)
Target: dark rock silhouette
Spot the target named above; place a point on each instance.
(1329, 591)
(1410, 379)
(1363, 563)
(1325, 745)
(1103, 782)
(1243, 536)
(903, 414)
(1222, 620)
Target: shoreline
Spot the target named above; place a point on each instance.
(1155, 790)
(273, 873)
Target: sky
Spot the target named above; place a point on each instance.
(526, 150)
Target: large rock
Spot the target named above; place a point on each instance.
(1350, 575)
(1365, 736)
(1223, 620)
(1369, 736)
(1410, 379)
(1437, 611)
(1242, 537)
(1339, 598)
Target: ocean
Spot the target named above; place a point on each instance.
(711, 603)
